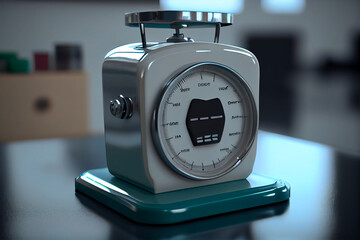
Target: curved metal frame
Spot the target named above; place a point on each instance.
(177, 20)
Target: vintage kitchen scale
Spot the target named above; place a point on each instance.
(181, 121)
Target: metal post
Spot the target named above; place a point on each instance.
(217, 33)
(142, 33)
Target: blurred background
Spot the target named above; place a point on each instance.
(51, 55)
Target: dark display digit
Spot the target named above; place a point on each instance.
(205, 121)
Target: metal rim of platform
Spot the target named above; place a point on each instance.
(173, 19)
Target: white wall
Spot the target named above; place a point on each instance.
(326, 27)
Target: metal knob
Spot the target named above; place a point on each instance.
(122, 107)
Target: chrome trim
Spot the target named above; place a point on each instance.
(161, 19)
(239, 157)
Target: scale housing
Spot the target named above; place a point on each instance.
(141, 75)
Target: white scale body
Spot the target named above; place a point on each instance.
(189, 114)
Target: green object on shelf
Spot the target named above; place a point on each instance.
(15, 65)
(18, 66)
(7, 57)
(182, 205)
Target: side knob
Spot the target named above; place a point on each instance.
(122, 107)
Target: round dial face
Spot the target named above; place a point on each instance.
(205, 121)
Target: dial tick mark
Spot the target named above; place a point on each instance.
(176, 155)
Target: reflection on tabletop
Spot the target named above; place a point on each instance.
(38, 201)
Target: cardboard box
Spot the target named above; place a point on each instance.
(43, 105)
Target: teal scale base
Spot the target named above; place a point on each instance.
(172, 207)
